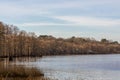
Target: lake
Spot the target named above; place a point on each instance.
(78, 67)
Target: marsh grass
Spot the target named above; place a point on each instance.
(24, 79)
(20, 73)
(29, 78)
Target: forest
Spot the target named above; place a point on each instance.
(19, 43)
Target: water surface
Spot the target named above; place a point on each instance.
(79, 67)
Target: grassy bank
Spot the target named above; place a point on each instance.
(20, 73)
(29, 78)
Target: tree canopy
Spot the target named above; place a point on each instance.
(15, 42)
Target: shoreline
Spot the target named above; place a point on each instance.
(2, 57)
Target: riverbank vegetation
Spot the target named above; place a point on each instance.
(19, 43)
(20, 73)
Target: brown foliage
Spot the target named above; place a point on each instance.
(14, 42)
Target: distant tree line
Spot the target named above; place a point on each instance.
(15, 42)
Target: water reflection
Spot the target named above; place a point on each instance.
(87, 67)
(9, 70)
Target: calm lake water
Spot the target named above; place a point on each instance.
(78, 67)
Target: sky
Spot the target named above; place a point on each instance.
(64, 18)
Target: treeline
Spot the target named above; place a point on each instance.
(14, 42)
(19, 43)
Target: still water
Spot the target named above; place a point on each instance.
(78, 67)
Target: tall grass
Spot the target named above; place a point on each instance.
(20, 73)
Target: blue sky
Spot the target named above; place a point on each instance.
(64, 18)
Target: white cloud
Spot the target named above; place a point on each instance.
(39, 24)
(79, 4)
(90, 21)
(7, 9)
(77, 21)
(13, 8)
